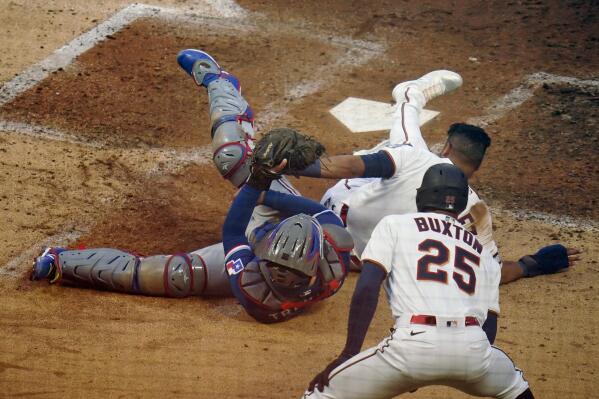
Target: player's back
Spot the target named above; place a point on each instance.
(437, 267)
(392, 196)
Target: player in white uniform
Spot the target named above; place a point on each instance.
(363, 198)
(440, 283)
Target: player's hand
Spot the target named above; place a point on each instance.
(280, 167)
(548, 260)
(573, 256)
(322, 379)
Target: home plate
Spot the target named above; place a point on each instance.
(360, 115)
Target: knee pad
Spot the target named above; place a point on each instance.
(231, 152)
(178, 275)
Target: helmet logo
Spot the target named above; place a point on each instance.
(450, 201)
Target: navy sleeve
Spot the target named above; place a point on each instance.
(292, 204)
(378, 164)
(363, 306)
(490, 327)
(238, 217)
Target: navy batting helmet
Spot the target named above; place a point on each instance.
(444, 187)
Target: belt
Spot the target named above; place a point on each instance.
(432, 320)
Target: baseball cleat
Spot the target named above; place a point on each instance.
(45, 265)
(203, 68)
(432, 85)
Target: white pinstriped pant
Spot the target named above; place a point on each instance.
(415, 356)
(405, 130)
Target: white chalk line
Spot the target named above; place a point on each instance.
(65, 55)
(303, 89)
(165, 159)
(215, 14)
(170, 160)
(524, 92)
(62, 57)
(32, 130)
(514, 99)
(565, 221)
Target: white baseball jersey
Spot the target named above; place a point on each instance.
(368, 202)
(434, 267)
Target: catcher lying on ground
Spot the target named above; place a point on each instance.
(280, 270)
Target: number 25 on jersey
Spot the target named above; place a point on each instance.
(437, 254)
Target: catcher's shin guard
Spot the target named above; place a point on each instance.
(227, 104)
(178, 275)
(232, 130)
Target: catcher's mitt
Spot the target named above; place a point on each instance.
(284, 143)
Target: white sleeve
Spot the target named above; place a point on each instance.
(401, 155)
(380, 247)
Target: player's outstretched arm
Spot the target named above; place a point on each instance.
(361, 311)
(349, 166)
(548, 260)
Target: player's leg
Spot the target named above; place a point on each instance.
(374, 373)
(177, 275)
(411, 97)
(502, 379)
(217, 279)
(231, 117)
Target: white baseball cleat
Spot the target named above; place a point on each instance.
(432, 85)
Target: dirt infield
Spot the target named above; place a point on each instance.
(112, 150)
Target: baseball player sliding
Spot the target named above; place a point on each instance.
(370, 197)
(401, 162)
(383, 181)
(232, 135)
(441, 283)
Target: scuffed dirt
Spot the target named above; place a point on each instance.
(128, 95)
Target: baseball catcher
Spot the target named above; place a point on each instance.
(275, 273)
